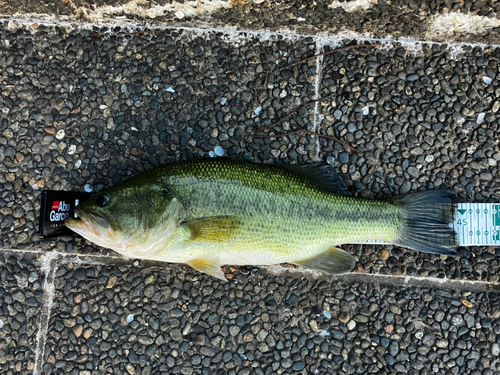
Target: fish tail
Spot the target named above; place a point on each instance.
(425, 218)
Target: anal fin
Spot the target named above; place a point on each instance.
(210, 266)
(333, 261)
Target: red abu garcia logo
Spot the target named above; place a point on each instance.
(60, 211)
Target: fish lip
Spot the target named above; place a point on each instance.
(90, 221)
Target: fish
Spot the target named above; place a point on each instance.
(212, 212)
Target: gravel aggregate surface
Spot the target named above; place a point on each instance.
(458, 20)
(147, 319)
(21, 300)
(85, 108)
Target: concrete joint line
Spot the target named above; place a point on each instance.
(318, 117)
(393, 280)
(50, 261)
(48, 267)
(413, 45)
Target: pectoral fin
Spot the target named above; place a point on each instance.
(333, 261)
(213, 229)
(210, 266)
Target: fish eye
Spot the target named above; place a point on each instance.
(102, 200)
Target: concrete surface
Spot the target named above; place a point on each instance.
(91, 105)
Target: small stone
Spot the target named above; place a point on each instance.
(88, 333)
(19, 296)
(32, 302)
(405, 188)
(412, 171)
(314, 325)
(81, 273)
(219, 151)
(351, 325)
(78, 330)
(343, 317)
(495, 349)
(394, 348)
(60, 134)
(442, 343)
(457, 320)
(343, 157)
(130, 369)
(428, 339)
(298, 366)
(111, 281)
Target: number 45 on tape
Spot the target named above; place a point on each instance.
(478, 224)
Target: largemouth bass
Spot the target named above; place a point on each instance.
(214, 212)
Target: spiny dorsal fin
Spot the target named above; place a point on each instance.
(324, 175)
(333, 261)
(213, 229)
(210, 266)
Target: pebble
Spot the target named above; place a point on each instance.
(495, 349)
(219, 151)
(480, 118)
(428, 339)
(60, 134)
(487, 80)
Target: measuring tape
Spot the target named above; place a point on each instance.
(476, 224)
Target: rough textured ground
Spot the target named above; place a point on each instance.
(456, 20)
(94, 105)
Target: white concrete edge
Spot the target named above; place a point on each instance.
(48, 269)
(410, 44)
(50, 258)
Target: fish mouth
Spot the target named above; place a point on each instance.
(96, 224)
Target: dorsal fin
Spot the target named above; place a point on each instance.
(323, 174)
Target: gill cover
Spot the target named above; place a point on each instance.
(133, 220)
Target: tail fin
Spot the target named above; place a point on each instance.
(425, 218)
